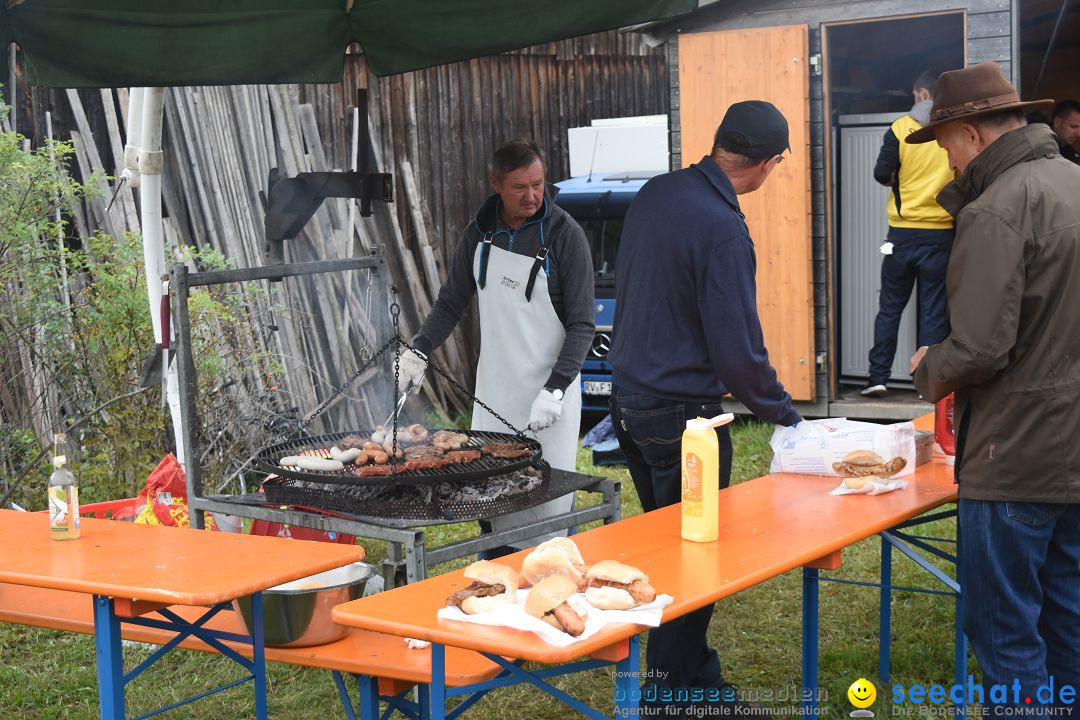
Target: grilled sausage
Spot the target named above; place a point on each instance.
(345, 456)
(569, 619)
(477, 589)
(640, 590)
(306, 462)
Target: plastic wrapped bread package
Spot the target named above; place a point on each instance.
(813, 446)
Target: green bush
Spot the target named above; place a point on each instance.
(75, 329)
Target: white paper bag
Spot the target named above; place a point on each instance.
(815, 445)
(513, 615)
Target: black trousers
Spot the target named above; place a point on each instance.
(650, 434)
(918, 255)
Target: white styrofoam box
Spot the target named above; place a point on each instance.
(603, 149)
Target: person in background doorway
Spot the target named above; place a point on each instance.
(919, 239)
(687, 333)
(1066, 124)
(1012, 357)
(529, 265)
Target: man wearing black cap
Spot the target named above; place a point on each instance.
(687, 333)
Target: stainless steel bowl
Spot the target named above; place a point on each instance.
(297, 613)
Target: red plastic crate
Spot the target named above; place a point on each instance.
(297, 532)
(108, 509)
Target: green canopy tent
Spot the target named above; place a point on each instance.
(133, 43)
(150, 44)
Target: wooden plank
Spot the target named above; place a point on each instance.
(773, 67)
(125, 199)
(112, 224)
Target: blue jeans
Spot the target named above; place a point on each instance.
(1020, 574)
(650, 435)
(921, 255)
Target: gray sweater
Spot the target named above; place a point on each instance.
(570, 280)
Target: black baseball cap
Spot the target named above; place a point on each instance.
(753, 128)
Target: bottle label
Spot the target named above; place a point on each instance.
(58, 508)
(692, 500)
(64, 507)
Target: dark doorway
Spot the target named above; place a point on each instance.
(871, 67)
(872, 64)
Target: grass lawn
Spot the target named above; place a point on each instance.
(47, 674)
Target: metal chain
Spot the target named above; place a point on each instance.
(481, 403)
(334, 395)
(395, 311)
(398, 343)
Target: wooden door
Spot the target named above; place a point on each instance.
(715, 70)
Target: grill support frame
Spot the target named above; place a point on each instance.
(408, 556)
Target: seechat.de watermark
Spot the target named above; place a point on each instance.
(999, 700)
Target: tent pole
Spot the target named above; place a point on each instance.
(130, 173)
(149, 171)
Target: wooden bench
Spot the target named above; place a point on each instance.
(365, 655)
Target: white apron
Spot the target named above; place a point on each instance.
(520, 341)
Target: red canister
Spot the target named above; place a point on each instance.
(943, 425)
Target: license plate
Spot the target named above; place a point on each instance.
(597, 387)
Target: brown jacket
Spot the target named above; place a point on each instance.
(1013, 355)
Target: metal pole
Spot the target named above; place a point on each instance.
(1050, 47)
(186, 382)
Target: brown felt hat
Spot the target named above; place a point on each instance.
(977, 90)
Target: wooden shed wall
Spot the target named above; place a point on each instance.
(989, 37)
(434, 130)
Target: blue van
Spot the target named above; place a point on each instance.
(599, 205)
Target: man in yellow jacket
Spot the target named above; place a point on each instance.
(920, 236)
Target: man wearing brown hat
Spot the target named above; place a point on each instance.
(1013, 359)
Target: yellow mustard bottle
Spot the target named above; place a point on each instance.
(701, 478)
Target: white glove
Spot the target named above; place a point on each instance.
(545, 412)
(411, 370)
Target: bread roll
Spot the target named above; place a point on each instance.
(474, 605)
(858, 483)
(551, 560)
(548, 593)
(565, 544)
(631, 586)
(481, 595)
(492, 573)
(863, 457)
(616, 571)
(610, 598)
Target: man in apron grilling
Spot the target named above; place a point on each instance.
(530, 265)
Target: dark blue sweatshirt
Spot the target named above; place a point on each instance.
(686, 321)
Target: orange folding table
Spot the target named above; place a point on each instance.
(134, 570)
(768, 526)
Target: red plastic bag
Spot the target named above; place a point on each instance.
(164, 499)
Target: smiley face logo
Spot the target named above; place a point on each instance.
(862, 693)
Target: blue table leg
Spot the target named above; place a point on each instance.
(810, 638)
(423, 699)
(110, 659)
(343, 695)
(438, 681)
(627, 692)
(258, 654)
(885, 613)
(369, 697)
